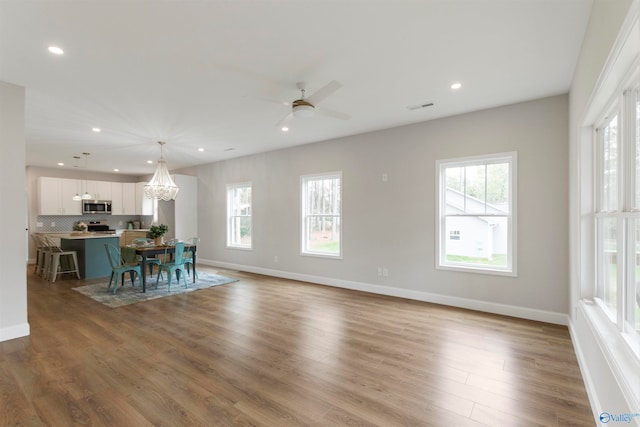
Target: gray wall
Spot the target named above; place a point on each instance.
(392, 224)
(13, 288)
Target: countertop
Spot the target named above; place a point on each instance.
(88, 236)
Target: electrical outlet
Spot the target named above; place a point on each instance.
(53, 223)
(385, 272)
(380, 271)
(385, 177)
(275, 258)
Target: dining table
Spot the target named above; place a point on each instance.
(147, 252)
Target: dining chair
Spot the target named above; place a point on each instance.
(188, 256)
(175, 265)
(119, 266)
(142, 242)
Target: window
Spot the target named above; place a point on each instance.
(617, 217)
(239, 215)
(321, 214)
(476, 219)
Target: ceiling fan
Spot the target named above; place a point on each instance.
(308, 106)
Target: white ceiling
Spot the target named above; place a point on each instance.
(214, 74)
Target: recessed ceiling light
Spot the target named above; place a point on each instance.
(96, 129)
(285, 129)
(229, 149)
(56, 50)
(456, 86)
(201, 149)
(60, 164)
(150, 161)
(116, 170)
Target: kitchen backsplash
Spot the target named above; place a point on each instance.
(52, 223)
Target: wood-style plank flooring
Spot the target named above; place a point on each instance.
(270, 352)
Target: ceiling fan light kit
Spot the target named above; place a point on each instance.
(161, 186)
(305, 107)
(302, 109)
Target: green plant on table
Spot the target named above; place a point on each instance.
(156, 231)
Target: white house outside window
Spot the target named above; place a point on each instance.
(476, 218)
(321, 214)
(239, 222)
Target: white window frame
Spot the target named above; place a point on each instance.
(305, 215)
(626, 214)
(441, 242)
(231, 188)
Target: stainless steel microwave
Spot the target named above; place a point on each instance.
(96, 207)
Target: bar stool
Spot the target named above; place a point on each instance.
(46, 247)
(41, 247)
(65, 261)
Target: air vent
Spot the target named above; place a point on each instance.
(419, 106)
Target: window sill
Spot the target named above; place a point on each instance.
(478, 270)
(623, 359)
(241, 248)
(320, 255)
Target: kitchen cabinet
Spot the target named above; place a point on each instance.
(144, 205)
(92, 259)
(55, 196)
(117, 207)
(123, 198)
(127, 236)
(99, 190)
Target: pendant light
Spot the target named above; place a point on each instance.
(86, 195)
(161, 185)
(77, 197)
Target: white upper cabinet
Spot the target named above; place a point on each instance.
(117, 207)
(55, 196)
(129, 198)
(99, 190)
(144, 205)
(123, 198)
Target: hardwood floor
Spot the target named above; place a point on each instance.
(272, 352)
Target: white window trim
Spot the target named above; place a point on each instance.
(303, 251)
(512, 240)
(230, 187)
(622, 355)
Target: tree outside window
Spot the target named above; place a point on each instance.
(239, 220)
(321, 214)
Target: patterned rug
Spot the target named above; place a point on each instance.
(128, 294)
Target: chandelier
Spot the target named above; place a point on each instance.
(161, 185)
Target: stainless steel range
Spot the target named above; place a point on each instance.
(100, 227)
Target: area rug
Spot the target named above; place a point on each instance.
(128, 294)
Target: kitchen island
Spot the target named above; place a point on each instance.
(92, 257)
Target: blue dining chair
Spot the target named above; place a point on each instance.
(175, 265)
(119, 266)
(188, 256)
(144, 242)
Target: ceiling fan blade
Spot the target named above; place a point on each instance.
(323, 92)
(332, 113)
(284, 120)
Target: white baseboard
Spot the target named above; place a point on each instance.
(592, 391)
(471, 304)
(13, 332)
